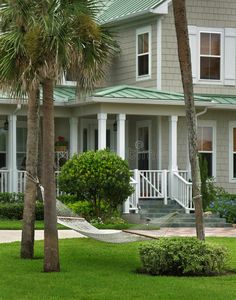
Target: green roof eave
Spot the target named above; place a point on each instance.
(61, 95)
(118, 10)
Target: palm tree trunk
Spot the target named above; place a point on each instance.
(186, 73)
(27, 240)
(51, 251)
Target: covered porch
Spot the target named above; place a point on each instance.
(132, 122)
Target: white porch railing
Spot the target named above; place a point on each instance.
(4, 181)
(21, 177)
(58, 193)
(184, 174)
(181, 192)
(132, 201)
(148, 184)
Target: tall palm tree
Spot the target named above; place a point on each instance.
(186, 72)
(18, 76)
(73, 42)
(60, 35)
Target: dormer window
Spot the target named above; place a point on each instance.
(143, 50)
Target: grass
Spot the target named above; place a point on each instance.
(6, 224)
(92, 270)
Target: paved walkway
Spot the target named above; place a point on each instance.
(8, 236)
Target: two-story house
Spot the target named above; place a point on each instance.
(139, 112)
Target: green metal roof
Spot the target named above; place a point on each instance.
(115, 10)
(221, 99)
(67, 94)
(131, 92)
(62, 94)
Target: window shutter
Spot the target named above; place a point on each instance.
(192, 31)
(230, 53)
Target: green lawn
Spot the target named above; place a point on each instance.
(17, 224)
(94, 270)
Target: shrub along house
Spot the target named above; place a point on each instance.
(139, 110)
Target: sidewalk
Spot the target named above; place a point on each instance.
(8, 236)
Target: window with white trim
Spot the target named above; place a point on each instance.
(21, 134)
(210, 56)
(3, 148)
(143, 51)
(232, 151)
(206, 148)
(213, 55)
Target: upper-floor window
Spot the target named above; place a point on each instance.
(213, 55)
(143, 50)
(210, 56)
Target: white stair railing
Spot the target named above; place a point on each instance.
(4, 181)
(132, 201)
(152, 184)
(182, 192)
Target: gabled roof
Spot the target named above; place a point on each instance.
(115, 10)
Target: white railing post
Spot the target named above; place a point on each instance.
(126, 207)
(137, 179)
(164, 186)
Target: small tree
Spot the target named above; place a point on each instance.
(100, 176)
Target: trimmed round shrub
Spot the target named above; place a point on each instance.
(182, 256)
(100, 177)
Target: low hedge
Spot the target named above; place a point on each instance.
(11, 197)
(182, 256)
(15, 210)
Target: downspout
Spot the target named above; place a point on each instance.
(188, 162)
(202, 112)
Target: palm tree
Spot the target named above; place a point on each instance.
(186, 72)
(60, 36)
(76, 43)
(18, 76)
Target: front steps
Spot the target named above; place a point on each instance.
(155, 209)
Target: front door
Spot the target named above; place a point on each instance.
(143, 145)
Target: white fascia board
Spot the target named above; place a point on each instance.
(144, 101)
(161, 9)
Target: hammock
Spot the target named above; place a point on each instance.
(68, 218)
(105, 235)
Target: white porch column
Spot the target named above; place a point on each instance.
(121, 135)
(173, 143)
(121, 148)
(12, 164)
(172, 149)
(73, 136)
(102, 130)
